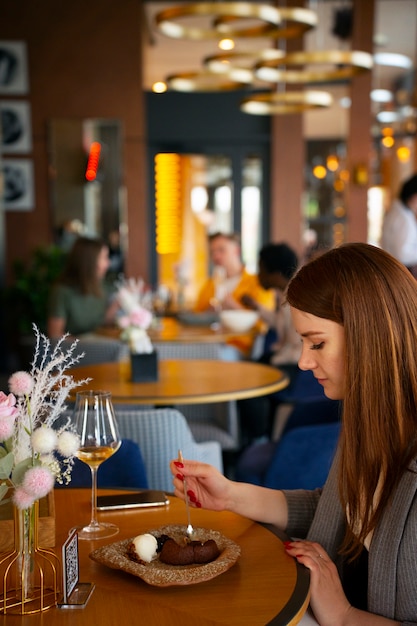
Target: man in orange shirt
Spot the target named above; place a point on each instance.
(229, 283)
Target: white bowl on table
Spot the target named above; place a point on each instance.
(238, 320)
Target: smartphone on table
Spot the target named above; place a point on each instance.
(132, 500)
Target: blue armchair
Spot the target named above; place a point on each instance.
(125, 469)
(301, 458)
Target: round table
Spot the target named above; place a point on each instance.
(190, 381)
(171, 329)
(265, 585)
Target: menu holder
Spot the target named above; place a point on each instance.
(76, 594)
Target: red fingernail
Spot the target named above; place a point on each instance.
(297, 556)
(198, 504)
(180, 476)
(287, 544)
(191, 494)
(178, 464)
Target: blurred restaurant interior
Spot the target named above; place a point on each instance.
(172, 166)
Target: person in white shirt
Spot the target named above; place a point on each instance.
(399, 229)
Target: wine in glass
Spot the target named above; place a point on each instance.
(96, 426)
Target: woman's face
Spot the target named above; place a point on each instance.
(323, 351)
(103, 262)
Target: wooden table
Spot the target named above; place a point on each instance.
(186, 381)
(265, 586)
(171, 329)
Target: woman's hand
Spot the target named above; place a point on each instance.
(206, 486)
(328, 600)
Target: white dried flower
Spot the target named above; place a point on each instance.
(68, 443)
(44, 440)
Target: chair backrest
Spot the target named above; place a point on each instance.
(188, 350)
(125, 469)
(302, 458)
(97, 350)
(160, 433)
(313, 411)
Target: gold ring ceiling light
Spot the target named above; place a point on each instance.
(297, 22)
(203, 81)
(238, 65)
(346, 65)
(167, 20)
(287, 102)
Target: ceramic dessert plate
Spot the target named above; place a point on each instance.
(160, 574)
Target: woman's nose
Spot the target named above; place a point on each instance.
(306, 360)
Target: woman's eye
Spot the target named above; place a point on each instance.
(317, 346)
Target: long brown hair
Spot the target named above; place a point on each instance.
(81, 267)
(374, 297)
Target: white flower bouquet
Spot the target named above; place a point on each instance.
(34, 454)
(135, 321)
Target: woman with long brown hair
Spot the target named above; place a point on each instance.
(80, 301)
(355, 309)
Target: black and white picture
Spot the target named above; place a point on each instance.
(15, 127)
(13, 68)
(18, 185)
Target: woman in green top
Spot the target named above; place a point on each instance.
(79, 301)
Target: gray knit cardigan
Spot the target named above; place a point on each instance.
(392, 567)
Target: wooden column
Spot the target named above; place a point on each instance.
(359, 139)
(287, 169)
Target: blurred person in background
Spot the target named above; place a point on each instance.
(80, 301)
(399, 228)
(277, 264)
(229, 282)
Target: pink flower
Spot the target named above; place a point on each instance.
(22, 499)
(38, 481)
(141, 317)
(21, 383)
(7, 405)
(123, 321)
(6, 428)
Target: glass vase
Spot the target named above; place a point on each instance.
(30, 574)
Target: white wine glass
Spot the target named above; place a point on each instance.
(96, 426)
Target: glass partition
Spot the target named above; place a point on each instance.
(199, 194)
(86, 180)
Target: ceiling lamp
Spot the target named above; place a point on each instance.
(166, 20)
(393, 59)
(388, 117)
(284, 103)
(382, 95)
(238, 65)
(297, 22)
(346, 64)
(204, 81)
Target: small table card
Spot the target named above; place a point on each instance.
(75, 594)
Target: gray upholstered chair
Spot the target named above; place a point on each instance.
(96, 349)
(160, 433)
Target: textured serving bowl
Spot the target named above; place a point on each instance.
(239, 320)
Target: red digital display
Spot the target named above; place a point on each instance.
(93, 160)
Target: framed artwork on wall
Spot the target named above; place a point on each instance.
(18, 184)
(13, 68)
(15, 126)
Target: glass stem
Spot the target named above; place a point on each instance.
(94, 521)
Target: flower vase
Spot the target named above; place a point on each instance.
(30, 574)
